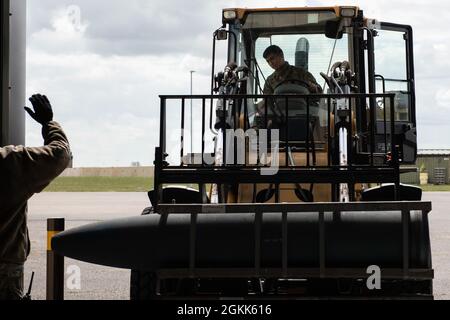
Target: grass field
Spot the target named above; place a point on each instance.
(100, 184)
(432, 187)
(137, 184)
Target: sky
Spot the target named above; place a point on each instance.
(103, 64)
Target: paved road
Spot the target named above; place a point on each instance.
(440, 241)
(98, 282)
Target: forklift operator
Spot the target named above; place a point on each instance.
(285, 73)
(286, 79)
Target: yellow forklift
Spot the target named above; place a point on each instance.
(299, 193)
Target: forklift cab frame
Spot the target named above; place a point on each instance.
(374, 50)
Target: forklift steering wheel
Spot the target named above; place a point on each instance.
(299, 82)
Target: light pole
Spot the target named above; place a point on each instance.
(192, 151)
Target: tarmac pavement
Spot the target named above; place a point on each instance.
(105, 283)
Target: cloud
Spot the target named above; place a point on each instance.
(107, 93)
(104, 143)
(136, 27)
(105, 65)
(443, 98)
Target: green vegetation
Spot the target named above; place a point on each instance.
(100, 184)
(432, 187)
(423, 168)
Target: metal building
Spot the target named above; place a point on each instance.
(13, 73)
(435, 162)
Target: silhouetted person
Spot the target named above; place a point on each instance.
(24, 172)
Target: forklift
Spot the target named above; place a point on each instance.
(292, 195)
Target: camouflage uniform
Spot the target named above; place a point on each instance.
(11, 281)
(288, 73)
(24, 172)
(285, 74)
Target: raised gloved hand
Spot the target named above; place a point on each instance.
(43, 112)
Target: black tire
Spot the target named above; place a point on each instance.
(142, 285)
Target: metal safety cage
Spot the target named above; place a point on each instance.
(372, 170)
(403, 271)
(416, 280)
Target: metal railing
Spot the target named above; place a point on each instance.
(371, 170)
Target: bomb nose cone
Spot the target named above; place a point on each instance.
(112, 243)
(78, 242)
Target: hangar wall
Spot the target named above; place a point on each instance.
(13, 71)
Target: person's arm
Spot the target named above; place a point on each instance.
(40, 165)
(43, 164)
(268, 89)
(29, 170)
(314, 86)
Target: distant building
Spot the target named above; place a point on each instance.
(435, 162)
(70, 164)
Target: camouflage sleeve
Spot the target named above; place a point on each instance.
(49, 160)
(311, 78)
(315, 87)
(32, 169)
(268, 89)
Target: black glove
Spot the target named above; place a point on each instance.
(43, 112)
